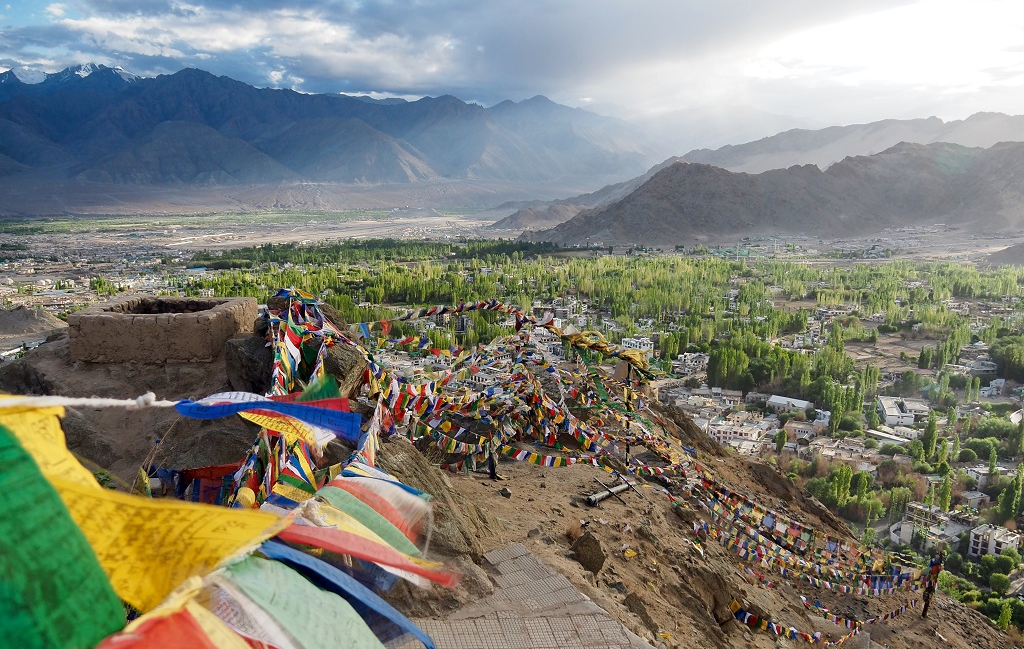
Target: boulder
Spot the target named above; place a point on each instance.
(86, 439)
(249, 363)
(636, 605)
(346, 364)
(21, 377)
(589, 553)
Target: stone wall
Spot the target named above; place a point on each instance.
(146, 329)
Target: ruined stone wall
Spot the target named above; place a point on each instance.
(146, 329)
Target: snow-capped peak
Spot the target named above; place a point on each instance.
(28, 75)
(84, 70)
(32, 76)
(125, 74)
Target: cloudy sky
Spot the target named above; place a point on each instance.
(822, 61)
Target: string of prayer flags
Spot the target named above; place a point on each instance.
(757, 622)
(138, 540)
(345, 425)
(816, 607)
(39, 433)
(409, 511)
(536, 458)
(382, 528)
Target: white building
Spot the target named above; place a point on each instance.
(779, 404)
(906, 433)
(992, 539)
(974, 499)
(885, 438)
(917, 407)
(892, 413)
(725, 432)
(931, 522)
(981, 475)
(642, 343)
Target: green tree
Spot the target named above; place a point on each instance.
(916, 450)
(872, 417)
(930, 435)
(780, 440)
(1005, 614)
(945, 493)
(1015, 441)
(999, 583)
(890, 449)
(1010, 499)
(955, 453)
(1004, 564)
(954, 562)
(1013, 555)
(941, 451)
(839, 483)
(993, 463)
(899, 498)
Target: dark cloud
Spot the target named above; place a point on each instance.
(485, 51)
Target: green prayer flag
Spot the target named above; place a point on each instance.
(53, 592)
(315, 618)
(369, 517)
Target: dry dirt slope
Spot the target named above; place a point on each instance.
(666, 593)
(668, 588)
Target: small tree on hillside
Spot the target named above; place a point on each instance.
(999, 583)
(930, 435)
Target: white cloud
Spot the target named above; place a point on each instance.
(945, 46)
(55, 10)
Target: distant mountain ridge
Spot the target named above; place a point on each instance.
(96, 124)
(823, 147)
(539, 216)
(904, 185)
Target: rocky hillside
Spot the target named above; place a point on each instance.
(823, 147)
(633, 558)
(904, 185)
(24, 320)
(538, 216)
(1013, 255)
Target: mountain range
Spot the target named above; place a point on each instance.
(96, 139)
(795, 147)
(102, 126)
(904, 185)
(823, 147)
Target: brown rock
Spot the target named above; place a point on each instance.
(346, 364)
(589, 552)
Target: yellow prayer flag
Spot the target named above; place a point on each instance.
(290, 427)
(147, 547)
(38, 431)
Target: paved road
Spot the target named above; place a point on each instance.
(532, 607)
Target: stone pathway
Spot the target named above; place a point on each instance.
(532, 607)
